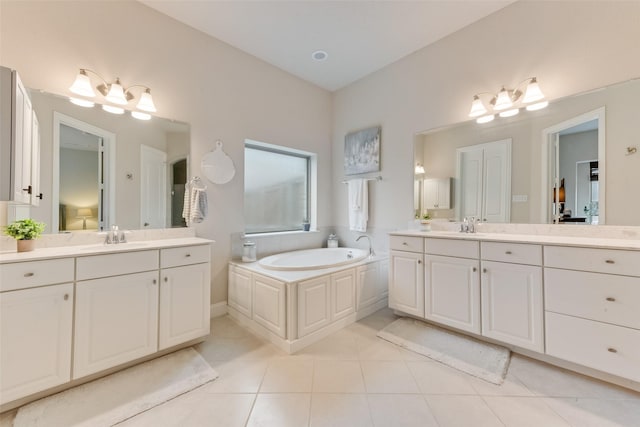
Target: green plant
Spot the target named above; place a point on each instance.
(24, 229)
(425, 216)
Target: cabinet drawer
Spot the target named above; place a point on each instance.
(21, 275)
(608, 348)
(406, 243)
(596, 260)
(184, 255)
(452, 247)
(95, 266)
(518, 253)
(604, 297)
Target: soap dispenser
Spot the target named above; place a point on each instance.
(332, 241)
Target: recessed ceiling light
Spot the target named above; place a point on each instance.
(319, 55)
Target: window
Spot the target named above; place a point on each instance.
(277, 188)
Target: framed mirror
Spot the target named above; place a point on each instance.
(100, 169)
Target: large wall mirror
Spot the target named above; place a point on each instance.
(100, 169)
(573, 162)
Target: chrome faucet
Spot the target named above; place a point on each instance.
(371, 252)
(468, 225)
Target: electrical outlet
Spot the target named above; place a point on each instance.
(519, 198)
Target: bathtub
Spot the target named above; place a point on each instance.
(313, 259)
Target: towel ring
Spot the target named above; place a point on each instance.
(217, 166)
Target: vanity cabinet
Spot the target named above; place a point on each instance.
(406, 275)
(452, 283)
(185, 289)
(511, 294)
(437, 193)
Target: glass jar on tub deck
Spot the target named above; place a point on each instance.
(249, 251)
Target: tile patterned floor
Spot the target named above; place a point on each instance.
(354, 379)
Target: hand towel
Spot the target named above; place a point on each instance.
(195, 206)
(358, 200)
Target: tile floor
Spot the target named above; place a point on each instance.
(354, 379)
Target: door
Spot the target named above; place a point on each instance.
(314, 301)
(153, 188)
(184, 304)
(406, 282)
(36, 196)
(512, 308)
(116, 321)
(35, 332)
(452, 292)
(470, 177)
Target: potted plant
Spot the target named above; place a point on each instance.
(25, 231)
(425, 218)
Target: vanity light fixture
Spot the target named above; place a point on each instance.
(419, 170)
(507, 102)
(114, 92)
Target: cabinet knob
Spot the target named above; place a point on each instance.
(39, 196)
(28, 274)
(474, 269)
(508, 252)
(29, 189)
(66, 297)
(155, 281)
(166, 279)
(419, 261)
(484, 270)
(612, 350)
(610, 261)
(612, 299)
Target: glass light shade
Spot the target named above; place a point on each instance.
(532, 93)
(537, 106)
(419, 169)
(146, 102)
(84, 212)
(140, 116)
(82, 85)
(485, 119)
(510, 113)
(113, 110)
(116, 93)
(477, 107)
(82, 102)
(503, 101)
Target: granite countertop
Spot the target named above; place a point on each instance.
(97, 249)
(543, 239)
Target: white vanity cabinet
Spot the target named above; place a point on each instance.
(592, 303)
(116, 317)
(511, 291)
(36, 313)
(185, 289)
(452, 283)
(406, 275)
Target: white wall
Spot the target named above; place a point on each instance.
(222, 92)
(434, 86)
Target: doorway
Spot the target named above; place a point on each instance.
(178, 183)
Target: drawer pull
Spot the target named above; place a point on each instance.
(612, 350)
(187, 255)
(66, 297)
(508, 252)
(611, 299)
(28, 274)
(405, 244)
(610, 261)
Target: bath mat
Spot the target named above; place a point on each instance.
(119, 396)
(483, 360)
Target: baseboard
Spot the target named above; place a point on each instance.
(218, 309)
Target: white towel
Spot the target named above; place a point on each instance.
(358, 204)
(195, 205)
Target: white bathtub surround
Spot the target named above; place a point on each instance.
(480, 359)
(297, 307)
(313, 259)
(117, 397)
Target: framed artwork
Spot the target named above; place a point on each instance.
(362, 151)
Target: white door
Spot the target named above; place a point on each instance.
(269, 297)
(470, 179)
(314, 303)
(35, 337)
(496, 182)
(343, 294)
(184, 304)
(452, 292)
(240, 290)
(512, 308)
(36, 196)
(406, 282)
(116, 320)
(153, 188)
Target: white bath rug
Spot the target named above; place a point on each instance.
(114, 398)
(483, 360)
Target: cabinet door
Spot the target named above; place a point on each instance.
(512, 308)
(239, 293)
(269, 298)
(452, 292)
(343, 294)
(437, 193)
(35, 340)
(184, 304)
(406, 282)
(314, 302)
(368, 285)
(116, 321)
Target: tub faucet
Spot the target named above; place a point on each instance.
(371, 252)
